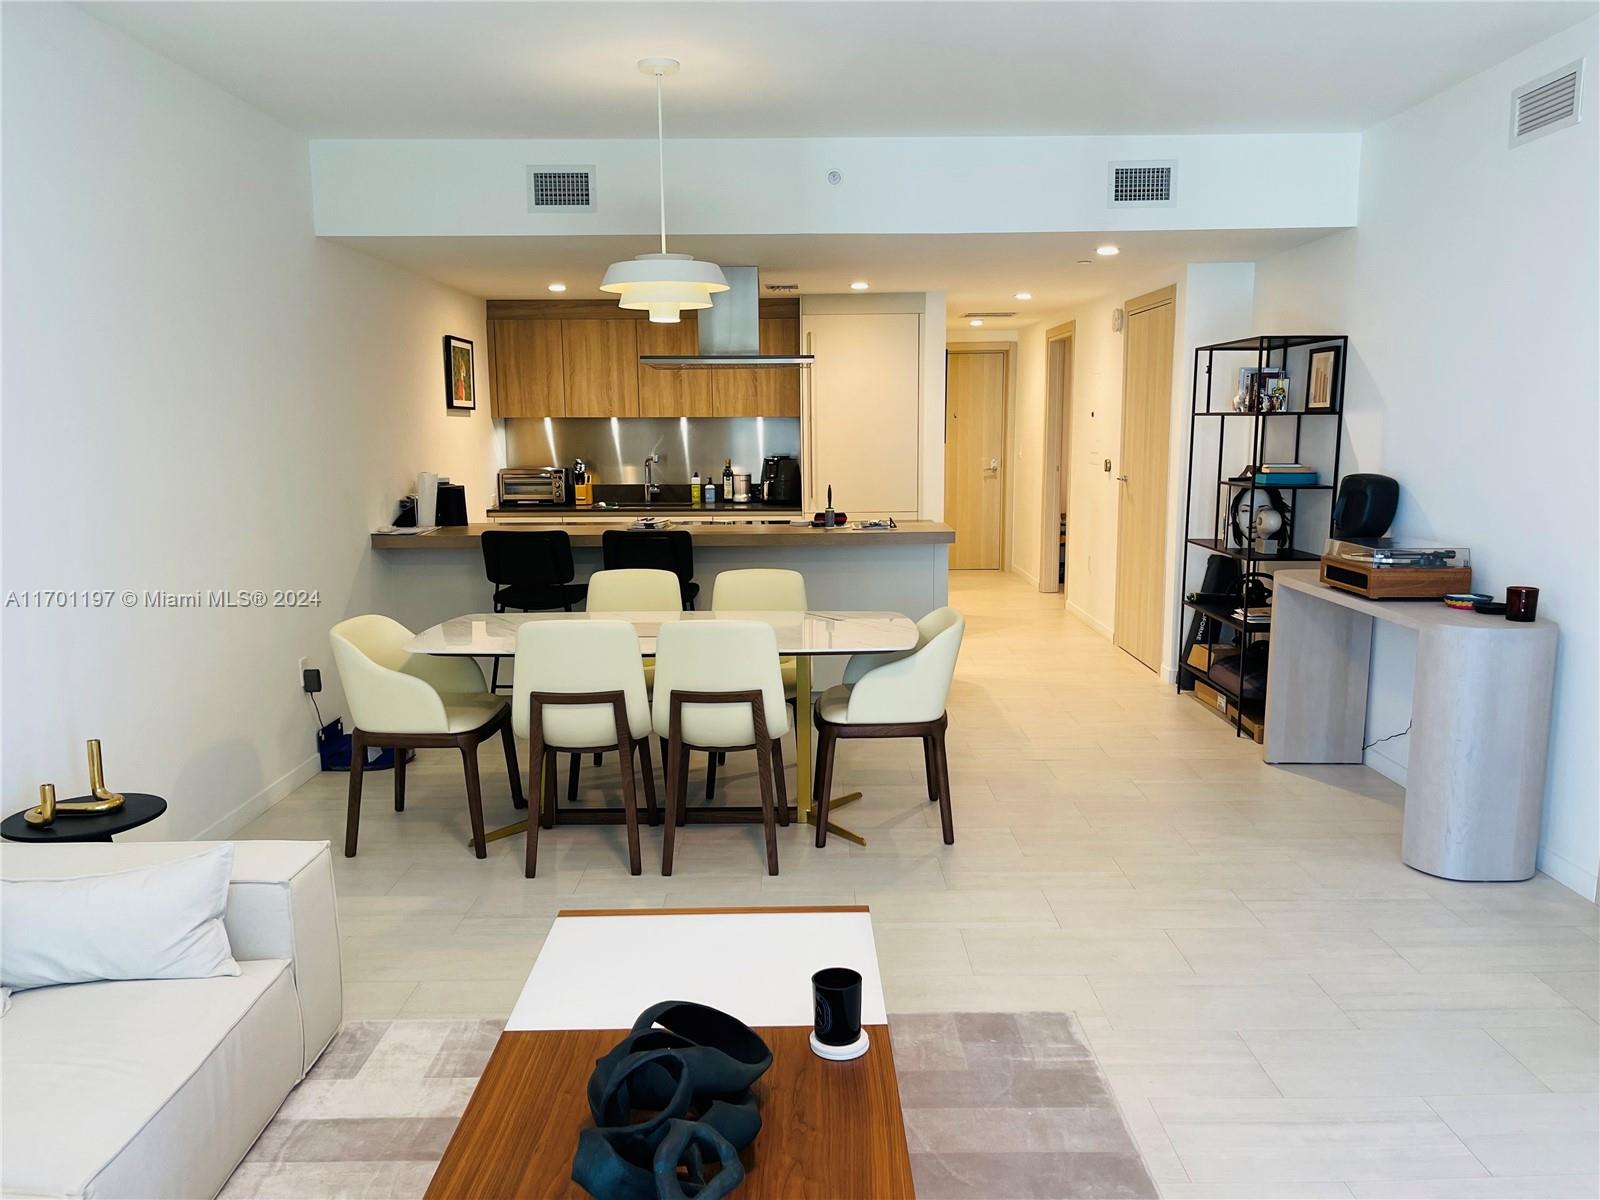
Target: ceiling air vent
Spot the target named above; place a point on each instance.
(781, 287)
(567, 189)
(1547, 104)
(1141, 184)
(981, 315)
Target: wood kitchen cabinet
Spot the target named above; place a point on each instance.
(600, 363)
(672, 393)
(762, 391)
(526, 375)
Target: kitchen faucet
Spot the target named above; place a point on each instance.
(651, 488)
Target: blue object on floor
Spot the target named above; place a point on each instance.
(333, 747)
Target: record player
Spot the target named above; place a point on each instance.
(1387, 569)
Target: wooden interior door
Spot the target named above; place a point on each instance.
(974, 453)
(525, 375)
(1141, 608)
(601, 360)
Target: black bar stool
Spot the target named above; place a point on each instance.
(532, 571)
(653, 549)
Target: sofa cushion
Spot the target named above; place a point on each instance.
(144, 1088)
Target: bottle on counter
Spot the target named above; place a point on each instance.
(727, 479)
(694, 489)
(708, 490)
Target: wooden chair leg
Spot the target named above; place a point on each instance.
(399, 779)
(547, 791)
(647, 768)
(630, 807)
(352, 820)
(469, 764)
(823, 782)
(943, 763)
(537, 756)
(930, 767)
(678, 811)
(711, 776)
(574, 764)
(779, 783)
(508, 739)
(675, 779)
(769, 808)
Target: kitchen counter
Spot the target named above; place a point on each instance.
(712, 532)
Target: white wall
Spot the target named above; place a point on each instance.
(1213, 301)
(1469, 294)
(397, 187)
(197, 394)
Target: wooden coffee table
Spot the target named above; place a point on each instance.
(829, 1130)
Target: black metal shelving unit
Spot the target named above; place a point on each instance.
(1252, 438)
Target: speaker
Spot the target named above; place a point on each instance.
(1365, 507)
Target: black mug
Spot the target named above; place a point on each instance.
(836, 992)
(1522, 603)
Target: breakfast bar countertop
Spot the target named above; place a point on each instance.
(732, 532)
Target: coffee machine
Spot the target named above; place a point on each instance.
(780, 481)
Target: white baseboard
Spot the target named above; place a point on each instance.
(1390, 768)
(1031, 580)
(1093, 623)
(237, 818)
(1568, 874)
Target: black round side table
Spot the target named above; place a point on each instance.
(138, 808)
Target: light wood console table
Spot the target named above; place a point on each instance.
(1480, 718)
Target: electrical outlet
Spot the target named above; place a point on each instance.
(300, 674)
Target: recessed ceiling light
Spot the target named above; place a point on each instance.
(1106, 251)
(859, 285)
(1023, 296)
(555, 287)
(975, 322)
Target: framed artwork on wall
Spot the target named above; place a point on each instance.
(1322, 377)
(459, 387)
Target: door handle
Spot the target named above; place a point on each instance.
(1122, 479)
(994, 466)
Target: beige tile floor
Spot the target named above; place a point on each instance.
(1282, 1007)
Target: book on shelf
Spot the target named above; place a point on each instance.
(1256, 614)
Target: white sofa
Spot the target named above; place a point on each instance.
(157, 1088)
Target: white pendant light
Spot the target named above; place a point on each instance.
(663, 284)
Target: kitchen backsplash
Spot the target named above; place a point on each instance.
(615, 448)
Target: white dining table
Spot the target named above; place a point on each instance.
(800, 635)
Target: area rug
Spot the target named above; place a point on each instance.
(1002, 1106)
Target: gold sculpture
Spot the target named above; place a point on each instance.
(105, 800)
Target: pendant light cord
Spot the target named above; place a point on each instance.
(661, 164)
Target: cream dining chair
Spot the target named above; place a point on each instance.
(894, 696)
(578, 686)
(717, 688)
(758, 589)
(628, 589)
(415, 701)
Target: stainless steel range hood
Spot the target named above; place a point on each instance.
(730, 331)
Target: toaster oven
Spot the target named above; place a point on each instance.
(528, 487)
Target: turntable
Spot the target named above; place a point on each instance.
(1387, 569)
